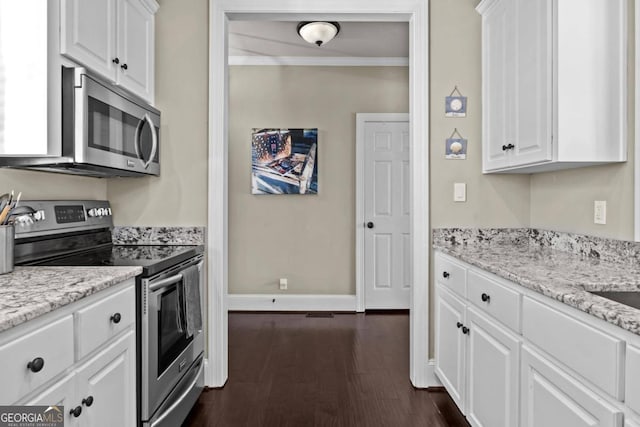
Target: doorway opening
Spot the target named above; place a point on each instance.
(416, 14)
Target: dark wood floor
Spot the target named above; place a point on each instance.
(349, 370)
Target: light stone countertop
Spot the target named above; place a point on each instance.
(550, 270)
(29, 292)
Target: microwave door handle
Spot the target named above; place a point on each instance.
(154, 140)
(165, 282)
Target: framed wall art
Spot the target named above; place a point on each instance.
(284, 161)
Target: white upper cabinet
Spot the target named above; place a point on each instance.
(554, 84)
(114, 38)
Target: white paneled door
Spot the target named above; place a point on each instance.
(387, 204)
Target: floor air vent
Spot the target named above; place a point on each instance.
(320, 314)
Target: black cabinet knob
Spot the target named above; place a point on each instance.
(124, 66)
(485, 298)
(504, 148)
(369, 224)
(459, 325)
(76, 411)
(36, 364)
(508, 147)
(116, 61)
(116, 318)
(88, 401)
(465, 330)
(445, 274)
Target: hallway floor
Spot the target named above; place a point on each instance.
(293, 370)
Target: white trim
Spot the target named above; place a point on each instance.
(430, 378)
(416, 12)
(636, 164)
(217, 247)
(361, 120)
(320, 61)
(281, 302)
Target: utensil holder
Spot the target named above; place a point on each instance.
(6, 248)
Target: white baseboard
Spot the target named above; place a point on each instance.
(279, 302)
(431, 379)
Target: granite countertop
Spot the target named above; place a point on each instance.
(561, 266)
(29, 292)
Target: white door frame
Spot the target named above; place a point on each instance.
(361, 120)
(636, 148)
(416, 13)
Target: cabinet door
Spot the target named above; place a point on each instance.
(533, 82)
(493, 370)
(497, 84)
(110, 379)
(88, 34)
(450, 344)
(62, 393)
(549, 397)
(136, 48)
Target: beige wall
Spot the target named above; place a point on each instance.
(308, 239)
(455, 56)
(179, 195)
(48, 186)
(564, 200)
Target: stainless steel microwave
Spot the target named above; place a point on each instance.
(105, 131)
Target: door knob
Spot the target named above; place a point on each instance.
(369, 224)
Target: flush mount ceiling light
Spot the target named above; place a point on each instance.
(319, 32)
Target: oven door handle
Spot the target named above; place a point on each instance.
(165, 282)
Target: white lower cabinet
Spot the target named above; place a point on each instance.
(61, 394)
(107, 384)
(493, 366)
(477, 361)
(97, 387)
(509, 358)
(550, 397)
(450, 344)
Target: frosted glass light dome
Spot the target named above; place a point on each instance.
(319, 32)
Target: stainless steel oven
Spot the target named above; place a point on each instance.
(172, 354)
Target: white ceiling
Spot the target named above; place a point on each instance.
(356, 39)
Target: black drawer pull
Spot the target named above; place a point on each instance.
(116, 318)
(76, 411)
(459, 325)
(445, 274)
(36, 364)
(485, 298)
(88, 401)
(465, 330)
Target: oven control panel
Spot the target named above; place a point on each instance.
(52, 216)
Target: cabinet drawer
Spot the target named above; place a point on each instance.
(595, 355)
(52, 343)
(451, 275)
(632, 376)
(494, 299)
(99, 322)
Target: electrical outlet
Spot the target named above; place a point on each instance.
(600, 212)
(284, 283)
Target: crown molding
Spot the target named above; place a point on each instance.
(321, 61)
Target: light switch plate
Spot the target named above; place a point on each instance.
(600, 212)
(284, 284)
(459, 192)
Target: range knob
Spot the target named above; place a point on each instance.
(93, 212)
(108, 211)
(39, 216)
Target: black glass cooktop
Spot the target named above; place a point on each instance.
(152, 258)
